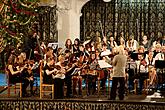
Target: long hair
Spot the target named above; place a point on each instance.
(66, 44)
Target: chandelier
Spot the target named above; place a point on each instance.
(107, 0)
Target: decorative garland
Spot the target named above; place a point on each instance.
(7, 33)
(27, 6)
(18, 11)
(2, 8)
(28, 21)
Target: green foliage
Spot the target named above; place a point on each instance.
(16, 19)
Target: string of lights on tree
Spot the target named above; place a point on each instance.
(16, 17)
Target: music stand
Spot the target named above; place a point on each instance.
(160, 64)
(134, 56)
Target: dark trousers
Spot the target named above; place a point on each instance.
(131, 74)
(68, 81)
(142, 78)
(20, 79)
(103, 80)
(91, 79)
(58, 88)
(121, 90)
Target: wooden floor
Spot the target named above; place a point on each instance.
(101, 96)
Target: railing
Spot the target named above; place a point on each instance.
(47, 104)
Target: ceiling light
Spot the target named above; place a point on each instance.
(107, 0)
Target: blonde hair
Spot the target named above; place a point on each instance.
(60, 57)
(120, 50)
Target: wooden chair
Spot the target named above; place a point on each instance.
(145, 86)
(15, 86)
(44, 86)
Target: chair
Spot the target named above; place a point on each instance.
(145, 85)
(43, 86)
(16, 86)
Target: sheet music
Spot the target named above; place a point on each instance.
(105, 53)
(104, 64)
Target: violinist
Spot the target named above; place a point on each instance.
(27, 71)
(77, 79)
(152, 71)
(49, 53)
(105, 41)
(49, 70)
(157, 49)
(142, 71)
(105, 52)
(16, 74)
(59, 78)
(161, 55)
(70, 66)
(76, 49)
(92, 74)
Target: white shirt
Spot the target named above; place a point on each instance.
(160, 56)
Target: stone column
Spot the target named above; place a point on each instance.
(69, 19)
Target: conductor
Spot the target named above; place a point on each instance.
(119, 65)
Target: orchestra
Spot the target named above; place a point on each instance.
(78, 62)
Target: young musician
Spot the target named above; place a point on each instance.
(49, 70)
(59, 78)
(104, 54)
(28, 70)
(76, 45)
(131, 69)
(122, 41)
(70, 67)
(157, 49)
(161, 56)
(16, 74)
(132, 44)
(68, 45)
(78, 78)
(145, 43)
(142, 69)
(104, 41)
(49, 53)
(91, 75)
(151, 69)
(112, 43)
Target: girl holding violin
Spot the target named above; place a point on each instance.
(16, 73)
(142, 71)
(70, 67)
(27, 66)
(59, 78)
(152, 71)
(92, 74)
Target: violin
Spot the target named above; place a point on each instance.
(57, 67)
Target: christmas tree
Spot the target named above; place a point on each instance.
(16, 20)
